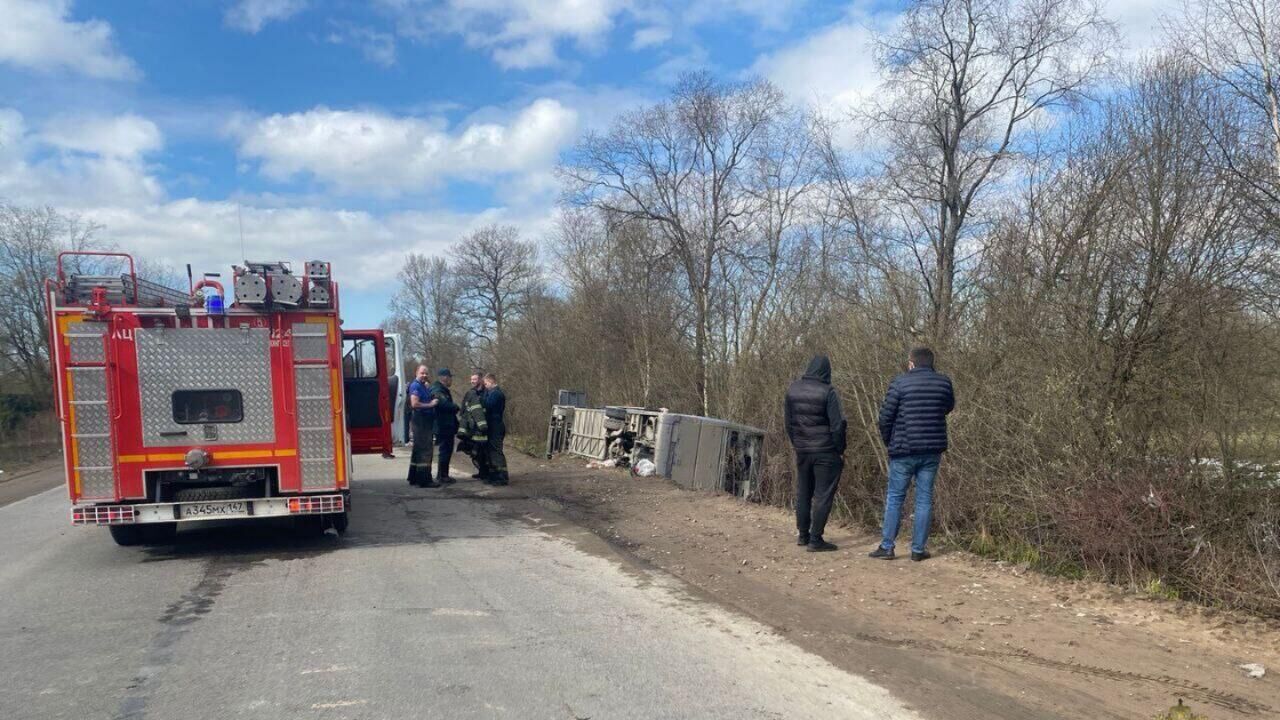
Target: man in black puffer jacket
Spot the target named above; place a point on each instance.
(913, 425)
(816, 426)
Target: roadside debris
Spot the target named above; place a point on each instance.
(1254, 670)
(644, 468)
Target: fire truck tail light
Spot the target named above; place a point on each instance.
(316, 504)
(104, 515)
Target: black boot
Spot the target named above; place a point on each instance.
(817, 544)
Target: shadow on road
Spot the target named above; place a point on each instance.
(258, 540)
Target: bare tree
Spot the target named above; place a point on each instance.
(426, 310)
(1237, 43)
(30, 240)
(963, 78)
(679, 167)
(497, 275)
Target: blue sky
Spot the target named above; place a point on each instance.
(357, 131)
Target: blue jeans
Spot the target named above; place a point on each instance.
(923, 468)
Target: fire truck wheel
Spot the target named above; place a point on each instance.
(127, 535)
(311, 525)
(159, 533)
(149, 534)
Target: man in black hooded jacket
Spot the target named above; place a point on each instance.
(816, 426)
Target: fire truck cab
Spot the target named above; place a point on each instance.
(180, 407)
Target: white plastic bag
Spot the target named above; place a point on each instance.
(645, 468)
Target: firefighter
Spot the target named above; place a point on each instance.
(495, 408)
(423, 418)
(474, 430)
(446, 427)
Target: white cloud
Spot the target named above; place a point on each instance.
(650, 36)
(1138, 22)
(377, 47)
(834, 69)
(103, 163)
(364, 247)
(356, 151)
(38, 34)
(252, 15)
(525, 34)
(121, 136)
(138, 217)
(519, 34)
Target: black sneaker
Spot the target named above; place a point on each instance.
(430, 484)
(820, 545)
(446, 480)
(477, 476)
(802, 539)
(881, 554)
(919, 556)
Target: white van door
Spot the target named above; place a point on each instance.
(398, 386)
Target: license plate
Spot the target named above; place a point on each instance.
(231, 508)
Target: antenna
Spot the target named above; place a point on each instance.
(240, 221)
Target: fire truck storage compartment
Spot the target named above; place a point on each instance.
(177, 361)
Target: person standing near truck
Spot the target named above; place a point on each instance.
(446, 426)
(423, 419)
(495, 410)
(474, 429)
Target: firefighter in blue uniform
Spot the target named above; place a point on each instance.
(423, 409)
(495, 410)
(446, 427)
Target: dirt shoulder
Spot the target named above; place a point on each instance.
(29, 480)
(957, 636)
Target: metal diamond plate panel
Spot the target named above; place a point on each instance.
(316, 444)
(312, 381)
(315, 413)
(172, 359)
(89, 384)
(92, 419)
(85, 340)
(98, 484)
(318, 474)
(310, 347)
(93, 451)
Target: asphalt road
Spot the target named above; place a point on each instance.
(434, 605)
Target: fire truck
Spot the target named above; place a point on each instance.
(188, 406)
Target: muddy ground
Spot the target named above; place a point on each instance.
(956, 636)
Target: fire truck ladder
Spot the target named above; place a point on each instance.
(122, 290)
(90, 421)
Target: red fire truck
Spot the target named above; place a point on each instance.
(181, 407)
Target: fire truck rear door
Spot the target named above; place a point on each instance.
(364, 385)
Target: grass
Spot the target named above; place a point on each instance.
(533, 447)
(1180, 712)
(1020, 552)
(1157, 588)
